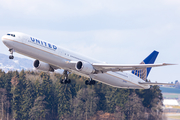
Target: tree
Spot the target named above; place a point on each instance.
(101, 90)
(119, 113)
(47, 87)
(2, 82)
(149, 95)
(85, 104)
(28, 99)
(116, 97)
(38, 88)
(18, 91)
(64, 99)
(156, 111)
(134, 110)
(39, 111)
(3, 96)
(177, 84)
(7, 85)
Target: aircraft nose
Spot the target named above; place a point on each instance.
(6, 41)
(3, 39)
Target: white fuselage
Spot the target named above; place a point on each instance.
(59, 57)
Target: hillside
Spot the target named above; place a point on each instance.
(38, 95)
(169, 90)
(16, 64)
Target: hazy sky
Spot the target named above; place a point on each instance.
(114, 31)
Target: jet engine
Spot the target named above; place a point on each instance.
(84, 67)
(42, 66)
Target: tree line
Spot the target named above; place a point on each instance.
(29, 95)
(177, 84)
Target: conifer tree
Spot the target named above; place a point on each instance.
(18, 92)
(39, 110)
(134, 110)
(48, 92)
(28, 99)
(85, 104)
(38, 89)
(2, 77)
(64, 99)
(8, 87)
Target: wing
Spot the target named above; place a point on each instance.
(151, 83)
(123, 67)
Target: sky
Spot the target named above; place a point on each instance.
(112, 31)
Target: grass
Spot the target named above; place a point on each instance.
(169, 90)
(171, 95)
(174, 117)
(177, 107)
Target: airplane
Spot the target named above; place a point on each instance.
(50, 57)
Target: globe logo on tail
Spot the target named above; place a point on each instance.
(142, 73)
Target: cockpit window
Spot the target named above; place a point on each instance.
(13, 35)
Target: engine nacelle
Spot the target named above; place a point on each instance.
(42, 66)
(84, 67)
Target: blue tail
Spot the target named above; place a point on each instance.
(143, 73)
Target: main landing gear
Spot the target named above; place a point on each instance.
(65, 80)
(11, 54)
(90, 82)
(68, 81)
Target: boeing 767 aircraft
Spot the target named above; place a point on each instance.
(50, 57)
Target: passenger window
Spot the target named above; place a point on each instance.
(8, 34)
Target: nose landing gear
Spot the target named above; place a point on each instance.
(11, 54)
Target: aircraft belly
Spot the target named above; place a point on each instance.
(42, 55)
(115, 81)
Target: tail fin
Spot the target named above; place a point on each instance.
(143, 73)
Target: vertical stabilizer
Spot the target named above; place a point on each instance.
(143, 73)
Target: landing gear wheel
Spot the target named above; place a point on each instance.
(87, 82)
(68, 81)
(62, 81)
(11, 57)
(90, 82)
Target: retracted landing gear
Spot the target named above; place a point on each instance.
(90, 82)
(65, 80)
(11, 54)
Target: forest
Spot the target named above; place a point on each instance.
(30, 95)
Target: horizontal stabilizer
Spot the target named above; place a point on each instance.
(154, 83)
